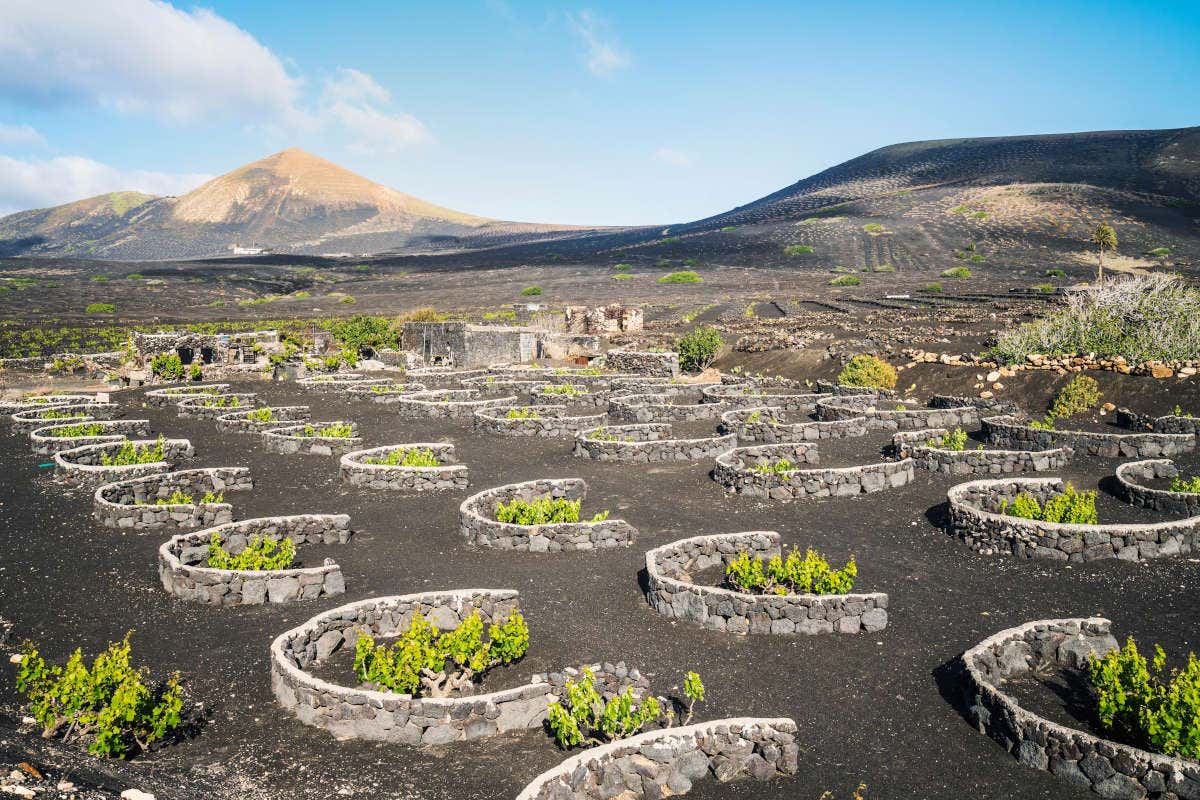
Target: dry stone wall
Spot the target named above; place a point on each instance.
(448, 403)
(82, 465)
(647, 443)
(206, 407)
(477, 521)
(450, 475)
(735, 472)
(133, 503)
(747, 395)
(1109, 769)
(766, 425)
(184, 571)
(384, 393)
(172, 396)
(24, 422)
(643, 408)
(914, 445)
(894, 418)
(1132, 477)
(44, 442)
(643, 362)
(975, 518)
(551, 422)
(245, 421)
(672, 592)
(1011, 433)
(291, 439)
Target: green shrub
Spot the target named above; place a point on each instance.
(774, 467)
(956, 272)
(698, 348)
(1080, 394)
(363, 332)
(101, 308)
(936, 288)
(883, 268)
(417, 457)
(1070, 507)
(795, 574)
(167, 366)
(543, 511)
(584, 717)
(797, 250)
(522, 413)
(1145, 706)
(692, 262)
(1044, 288)
(873, 228)
(348, 300)
(671, 240)
(135, 276)
(82, 429)
(231, 401)
(868, 371)
(845, 280)
(623, 267)
(562, 389)
(340, 431)
(531, 291)
(260, 554)
(196, 372)
(728, 228)
(428, 663)
(601, 435)
(953, 440)
(262, 415)
(1191, 484)
(98, 279)
(684, 276)
(622, 276)
(109, 704)
(1055, 273)
(130, 453)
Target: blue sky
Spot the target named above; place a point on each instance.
(610, 113)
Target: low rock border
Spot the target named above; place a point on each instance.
(592, 397)
(665, 762)
(735, 473)
(448, 403)
(181, 560)
(907, 419)
(768, 429)
(82, 466)
(195, 408)
(133, 503)
(42, 441)
(291, 439)
(552, 422)
(340, 381)
(1130, 489)
(1108, 768)
(243, 422)
(671, 592)
(912, 444)
(749, 395)
(649, 442)
(976, 519)
(643, 408)
(643, 362)
(388, 392)
(447, 375)
(171, 396)
(450, 475)
(31, 419)
(479, 526)
(29, 402)
(1006, 431)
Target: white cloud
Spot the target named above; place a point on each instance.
(603, 54)
(673, 158)
(352, 100)
(40, 183)
(140, 56)
(20, 135)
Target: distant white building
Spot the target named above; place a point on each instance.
(238, 250)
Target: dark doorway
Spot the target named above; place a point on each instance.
(186, 354)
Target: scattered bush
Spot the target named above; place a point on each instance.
(1044, 288)
(956, 272)
(698, 348)
(522, 413)
(562, 389)
(196, 372)
(1080, 394)
(531, 291)
(167, 366)
(261, 415)
(543, 511)
(363, 332)
(874, 228)
(417, 457)
(1191, 484)
(424, 314)
(101, 308)
(584, 717)
(109, 705)
(98, 279)
(82, 429)
(671, 240)
(622, 276)
(1071, 507)
(1055, 273)
(883, 268)
(684, 276)
(428, 663)
(774, 467)
(340, 431)
(795, 574)
(130, 453)
(868, 371)
(135, 276)
(622, 267)
(845, 280)
(797, 250)
(953, 440)
(232, 401)
(348, 300)
(1152, 709)
(260, 554)
(935, 288)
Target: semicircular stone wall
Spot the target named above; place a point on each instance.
(1132, 477)
(884, 414)
(915, 445)
(748, 395)
(1008, 432)
(46, 441)
(206, 407)
(448, 403)
(738, 471)
(642, 408)
(647, 443)
(663, 763)
(477, 521)
(134, 503)
(671, 592)
(383, 393)
(246, 422)
(551, 421)
(28, 402)
(766, 425)
(976, 519)
(23, 422)
(291, 439)
(83, 465)
(184, 571)
(1110, 769)
(171, 396)
(354, 470)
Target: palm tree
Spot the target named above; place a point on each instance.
(1105, 238)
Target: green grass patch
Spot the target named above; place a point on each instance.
(531, 291)
(797, 250)
(845, 280)
(101, 308)
(684, 276)
(956, 272)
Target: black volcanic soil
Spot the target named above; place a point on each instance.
(879, 708)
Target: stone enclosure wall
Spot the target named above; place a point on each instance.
(643, 408)
(643, 363)
(291, 439)
(243, 421)
(747, 395)
(448, 403)
(734, 471)
(1132, 476)
(477, 521)
(976, 519)
(912, 444)
(171, 396)
(24, 422)
(386, 393)
(769, 428)
(662, 763)
(1107, 768)
(82, 465)
(182, 562)
(196, 408)
(647, 443)
(672, 592)
(43, 442)
(133, 503)
(450, 475)
(552, 422)
(883, 414)
(1009, 432)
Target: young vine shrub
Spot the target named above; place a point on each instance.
(543, 511)
(793, 574)
(261, 415)
(261, 553)
(1191, 484)
(330, 431)
(1145, 705)
(1081, 394)
(417, 457)
(109, 705)
(522, 413)
(130, 453)
(167, 366)
(426, 662)
(1071, 507)
(954, 440)
(562, 389)
(82, 429)
(583, 716)
(774, 467)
